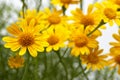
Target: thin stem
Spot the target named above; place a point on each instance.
(64, 9)
(83, 71)
(101, 23)
(65, 52)
(111, 77)
(23, 7)
(45, 70)
(40, 3)
(26, 67)
(62, 64)
(81, 4)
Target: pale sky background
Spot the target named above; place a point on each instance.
(106, 34)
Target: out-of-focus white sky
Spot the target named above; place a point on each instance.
(106, 34)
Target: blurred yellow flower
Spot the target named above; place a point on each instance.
(115, 52)
(116, 2)
(25, 37)
(64, 3)
(81, 43)
(95, 60)
(116, 45)
(115, 61)
(109, 12)
(56, 38)
(29, 15)
(16, 61)
(91, 19)
(54, 18)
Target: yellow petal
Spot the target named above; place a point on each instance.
(22, 51)
(9, 45)
(14, 30)
(48, 49)
(9, 39)
(117, 22)
(117, 37)
(38, 48)
(55, 48)
(32, 23)
(111, 23)
(15, 48)
(32, 51)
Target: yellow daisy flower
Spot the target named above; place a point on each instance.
(16, 61)
(95, 60)
(91, 19)
(64, 3)
(116, 2)
(115, 61)
(54, 18)
(115, 52)
(81, 43)
(25, 37)
(56, 38)
(109, 12)
(29, 15)
(116, 45)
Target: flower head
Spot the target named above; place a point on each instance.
(91, 19)
(25, 37)
(81, 43)
(64, 3)
(115, 52)
(53, 18)
(94, 60)
(16, 61)
(109, 12)
(32, 15)
(55, 38)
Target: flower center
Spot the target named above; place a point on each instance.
(81, 41)
(110, 13)
(54, 19)
(93, 59)
(52, 40)
(117, 59)
(87, 20)
(117, 2)
(26, 39)
(66, 1)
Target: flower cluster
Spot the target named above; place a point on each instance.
(51, 29)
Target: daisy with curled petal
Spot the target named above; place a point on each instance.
(116, 45)
(115, 52)
(80, 42)
(109, 12)
(115, 2)
(16, 61)
(64, 3)
(53, 18)
(115, 61)
(95, 60)
(91, 19)
(32, 15)
(56, 38)
(25, 37)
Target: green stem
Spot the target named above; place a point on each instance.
(40, 3)
(23, 7)
(64, 9)
(101, 23)
(111, 77)
(26, 68)
(45, 70)
(83, 71)
(81, 4)
(61, 61)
